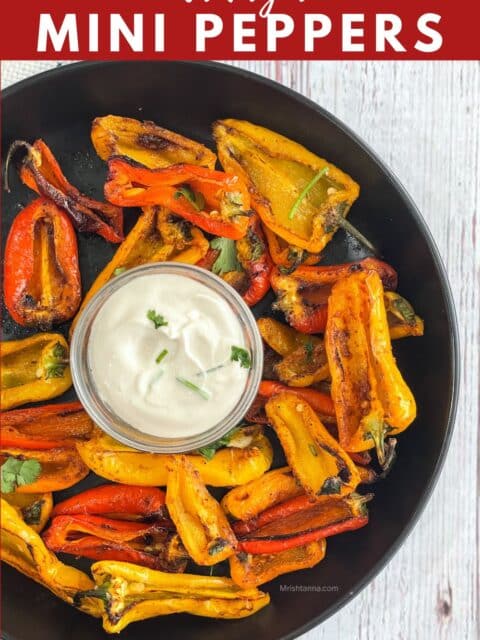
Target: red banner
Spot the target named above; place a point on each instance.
(240, 29)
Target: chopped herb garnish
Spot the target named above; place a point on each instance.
(227, 258)
(313, 450)
(56, 362)
(305, 192)
(161, 356)
(119, 270)
(16, 473)
(195, 198)
(309, 350)
(193, 387)
(156, 318)
(216, 368)
(242, 356)
(209, 451)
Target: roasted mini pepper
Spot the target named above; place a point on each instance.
(217, 202)
(41, 274)
(300, 521)
(23, 549)
(304, 359)
(248, 571)
(34, 508)
(46, 427)
(129, 593)
(129, 502)
(228, 467)
(318, 462)
(147, 143)
(247, 501)
(158, 236)
(41, 172)
(303, 294)
(200, 521)
(33, 369)
(298, 195)
(370, 396)
(320, 402)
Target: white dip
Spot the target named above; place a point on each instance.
(145, 374)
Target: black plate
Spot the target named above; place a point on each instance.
(59, 106)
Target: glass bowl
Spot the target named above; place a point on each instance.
(103, 415)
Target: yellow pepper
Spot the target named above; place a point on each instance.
(157, 236)
(34, 508)
(249, 571)
(200, 521)
(318, 462)
(129, 593)
(147, 143)
(247, 501)
(370, 395)
(229, 467)
(298, 195)
(23, 549)
(33, 369)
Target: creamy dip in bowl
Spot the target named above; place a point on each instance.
(166, 357)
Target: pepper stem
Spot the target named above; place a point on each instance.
(377, 434)
(16, 144)
(335, 219)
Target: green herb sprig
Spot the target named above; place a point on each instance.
(157, 319)
(227, 258)
(238, 354)
(17, 473)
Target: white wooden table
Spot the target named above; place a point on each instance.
(423, 118)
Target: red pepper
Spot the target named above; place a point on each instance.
(41, 274)
(256, 261)
(320, 402)
(102, 538)
(276, 545)
(47, 427)
(303, 294)
(217, 202)
(41, 172)
(299, 521)
(121, 500)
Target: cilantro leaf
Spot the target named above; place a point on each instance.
(209, 451)
(242, 356)
(156, 318)
(16, 473)
(227, 258)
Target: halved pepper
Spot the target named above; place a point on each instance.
(129, 593)
(370, 396)
(303, 294)
(250, 571)
(147, 143)
(41, 172)
(304, 359)
(298, 195)
(201, 523)
(299, 521)
(46, 427)
(320, 402)
(34, 508)
(33, 369)
(41, 274)
(101, 538)
(247, 501)
(158, 236)
(228, 467)
(318, 462)
(217, 202)
(23, 549)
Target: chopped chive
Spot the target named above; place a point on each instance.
(305, 192)
(193, 387)
(218, 366)
(161, 356)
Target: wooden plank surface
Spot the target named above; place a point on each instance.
(423, 119)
